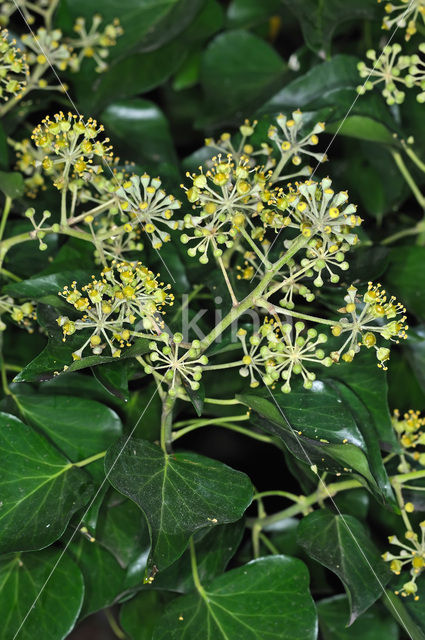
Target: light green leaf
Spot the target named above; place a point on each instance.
(179, 493)
(40, 489)
(23, 580)
(267, 599)
(342, 544)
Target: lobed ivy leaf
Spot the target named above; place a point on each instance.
(79, 427)
(342, 544)
(317, 427)
(179, 493)
(23, 580)
(40, 489)
(266, 599)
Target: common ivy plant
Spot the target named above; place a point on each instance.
(211, 243)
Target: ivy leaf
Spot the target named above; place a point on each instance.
(122, 530)
(40, 489)
(320, 20)
(267, 598)
(45, 287)
(342, 544)
(104, 579)
(238, 68)
(139, 616)
(179, 493)
(214, 549)
(114, 378)
(319, 428)
(22, 577)
(402, 278)
(77, 426)
(362, 127)
(12, 184)
(374, 623)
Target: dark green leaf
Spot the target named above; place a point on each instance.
(114, 377)
(243, 14)
(408, 613)
(77, 426)
(343, 545)
(319, 20)
(214, 549)
(362, 127)
(122, 529)
(140, 615)
(11, 184)
(40, 489)
(179, 493)
(267, 598)
(373, 624)
(104, 579)
(239, 68)
(45, 288)
(316, 426)
(58, 602)
(402, 278)
(141, 130)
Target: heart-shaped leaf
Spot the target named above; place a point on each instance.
(267, 598)
(342, 544)
(179, 493)
(39, 488)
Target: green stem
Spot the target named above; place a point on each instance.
(250, 299)
(406, 477)
(194, 565)
(6, 210)
(270, 546)
(83, 463)
(92, 212)
(409, 179)
(418, 228)
(10, 275)
(305, 502)
(271, 308)
(254, 247)
(276, 173)
(226, 365)
(227, 281)
(4, 382)
(220, 401)
(281, 494)
(412, 155)
(226, 425)
(114, 625)
(167, 423)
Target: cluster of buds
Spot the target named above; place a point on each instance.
(125, 295)
(95, 43)
(44, 48)
(29, 162)
(370, 316)
(411, 554)
(13, 68)
(71, 142)
(177, 365)
(404, 14)
(410, 434)
(144, 203)
(279, 351)
(393, 70)
(25, 7)
(226, 197)
(291, 144)
(23, 314)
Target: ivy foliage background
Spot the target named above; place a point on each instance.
(184, 70)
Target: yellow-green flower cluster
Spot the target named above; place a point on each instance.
(410, 554)
(395, 71)
(144, 203)
(13, 68)
(370, 316)
(177, 365)
(409, 430)
(404, 14)
(46, 48)
(112, 306)
(26, 7)
(290, 143)
(280, 351)
(95, 43)
(225, 197)
(23, 314)
(224, 145)
(71, 142)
